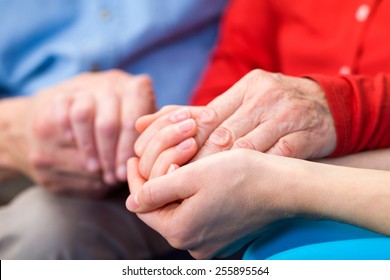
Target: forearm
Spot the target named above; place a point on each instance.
(11, 111)
(375, 159)
(351, 195)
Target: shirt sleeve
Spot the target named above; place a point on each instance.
(360, 107)
(240, 48)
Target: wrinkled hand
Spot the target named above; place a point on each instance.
(198, 208)
(267, 112)
(73, 133)
(101, 112)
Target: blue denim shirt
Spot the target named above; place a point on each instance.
(43, 42)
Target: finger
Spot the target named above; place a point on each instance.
(133, 174)
(106, 134)
(165, 120)
(243, 120)
(135, 181)
(212, 138)
(164, 190)
(138, 100)
(67, 184)
(170, 159)
(167, 137)
(82, 122)
(292, 145)
(262, 137)
(61, 112)
(60, 159)
(206, 121)
(203, 116)
(161, 219)
(144, 121)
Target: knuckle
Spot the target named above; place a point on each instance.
(253, 76)
(277, 76)
(106, 128)
(208, 117)
(222, 137)
(144, 80)
(178, 239)
(114, 74)
(59, 104)
(169, 108)
(128, 125)
(82, 113)
(284, 148)
(245, 143)
(255, 73)
(39, 161)
(143, 88)
(42, 128)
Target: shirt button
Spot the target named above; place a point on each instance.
(362, 13)
(345, 70)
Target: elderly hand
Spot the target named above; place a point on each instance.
(101, 112)
(267, 112)
(213, 211)
(64, 136)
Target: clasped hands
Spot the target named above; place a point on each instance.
(76, 137)
(199, 178)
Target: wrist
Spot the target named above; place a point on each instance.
(282, 177)
(322, 192)
(12, 112)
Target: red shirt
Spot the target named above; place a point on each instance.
(342, 44)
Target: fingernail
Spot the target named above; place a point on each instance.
(92, 165)
(180, 115)
(109, 178)
(186, 144)
(171, 168)
(186, 126)
(136, 200)
(121, 172)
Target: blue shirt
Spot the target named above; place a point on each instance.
(44, 42)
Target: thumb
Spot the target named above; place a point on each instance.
(135, 181)
(211, 137)
(163, 190)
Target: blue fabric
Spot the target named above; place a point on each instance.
(354, 249)
(43, 42)
(299, 232)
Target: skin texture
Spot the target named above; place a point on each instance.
(266, 112)
(77, 136)
(219, 201)
(195, 208)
